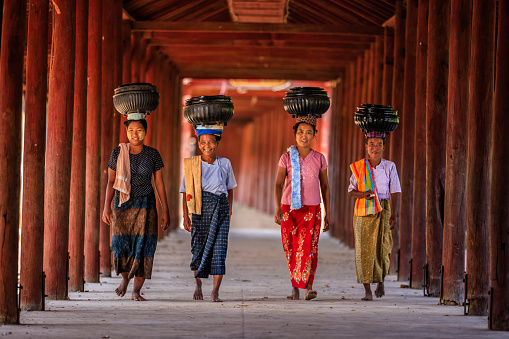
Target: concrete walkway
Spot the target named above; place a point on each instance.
(254, 291)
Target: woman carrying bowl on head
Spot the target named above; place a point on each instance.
(375, 183)
(207, 195)
(298, 206)
(131, 168)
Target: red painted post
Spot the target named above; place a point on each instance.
(32, 234)
(388, 66)
(11, 81)
(93, 170)
(77, 200)
(482, 64)
(59, 150)
(396, 137)
(419, 194)
(135, 56)
(407, 157)
(107, 112)
(436, 121)
(126, 68)
(408, 150)
(379, 69)
(453, 255)
(117, 128)
(499, 218)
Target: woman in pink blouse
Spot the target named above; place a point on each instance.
(298, 206)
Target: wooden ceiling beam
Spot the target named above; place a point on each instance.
(204, 43)
(191, 36)
(270, 5)
(256, 73)
(338, 11)
(265, 52)
(308, 65)
(288, 63)
(168, 26)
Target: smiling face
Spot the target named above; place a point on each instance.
(136, 133)
(207, 144)
(304, 135)
(375, 148)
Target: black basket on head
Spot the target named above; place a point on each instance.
(306, 101)
(376, 118)
(139, 97)
(208, 110)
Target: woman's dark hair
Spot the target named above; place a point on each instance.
(296, 126)
(218, 137)
(143, 122)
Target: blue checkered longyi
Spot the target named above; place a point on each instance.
(209, 236)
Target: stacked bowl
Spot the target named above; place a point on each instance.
(306, 101)
(136, 99)
(208, 110)
(376, 118)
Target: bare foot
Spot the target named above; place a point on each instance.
(380, 290)
(368, 297)
(137, 296)
(122, 288)
(310, 294)
(198, 295)
(214, 297)
(295, 294)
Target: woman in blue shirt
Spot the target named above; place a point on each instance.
(210, 181)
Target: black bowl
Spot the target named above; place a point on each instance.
(376, 118)
(305, 101)
(208, 110)
(136, 98)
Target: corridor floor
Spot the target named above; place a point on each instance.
(254, 299)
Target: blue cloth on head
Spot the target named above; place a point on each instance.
(209, 129)
(296, 201)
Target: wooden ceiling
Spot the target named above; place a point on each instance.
(253, 39)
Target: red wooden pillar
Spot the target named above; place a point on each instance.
(348, 159)
(408, 150)
(77, 199)
(117, 128)
(11, 80)
(419, 194)
(352, 156)
(478, 165)
(107, 112)
(135, 56)
(59, 150)
(33, 162)
(436, 121)
(148, 71)
(388, 60)
(379, 69)
(394, 147)
(499, 218)
(370, 70)
(333, 151)
(93, 205)
(453, 256)
(126, 68)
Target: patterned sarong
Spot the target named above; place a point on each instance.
(134, 238)
(209, 235)
(300, 230)
(373, 245)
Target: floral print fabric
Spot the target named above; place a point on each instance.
(300, 230)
